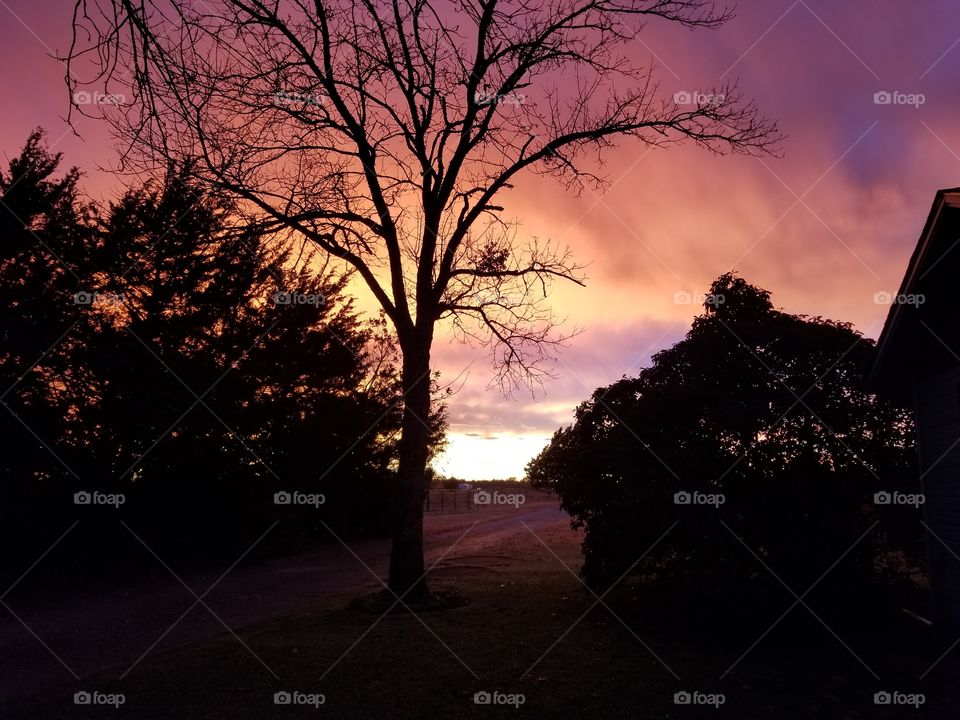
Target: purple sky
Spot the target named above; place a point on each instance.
(824, 228)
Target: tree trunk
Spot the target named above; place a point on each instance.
(406, 556)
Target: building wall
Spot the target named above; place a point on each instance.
(938, 436)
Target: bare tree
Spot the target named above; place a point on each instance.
(385, 131)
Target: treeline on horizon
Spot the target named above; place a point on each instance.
(166, 371)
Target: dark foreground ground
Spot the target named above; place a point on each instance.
(531, 633)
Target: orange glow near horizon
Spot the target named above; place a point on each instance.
(471, 456)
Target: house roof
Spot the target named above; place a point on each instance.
(930, 275)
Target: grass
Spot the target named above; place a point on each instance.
(525, 631)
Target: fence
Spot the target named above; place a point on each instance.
(449, 501)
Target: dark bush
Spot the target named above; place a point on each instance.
(764, 409)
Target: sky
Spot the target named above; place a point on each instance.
(825, 227)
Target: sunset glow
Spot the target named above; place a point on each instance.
(825, 228)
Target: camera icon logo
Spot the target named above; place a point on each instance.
(83, 298)
(482, 698)
(282, 498)
(682, 498)
(882, 498)
(882, 98)
(682, 97)
(482, 497)
(283, 298)
(82, 698)
(682, 698)
(882, 298)
(882, 698)
(82, 498)
(282, 698)
(682, 297)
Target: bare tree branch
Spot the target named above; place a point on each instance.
(384, 130)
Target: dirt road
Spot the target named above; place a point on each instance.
(58, 639)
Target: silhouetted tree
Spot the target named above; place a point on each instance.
(43, 231)
(385, 134)
(199, 369)
(761, 406)
(284, 379)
